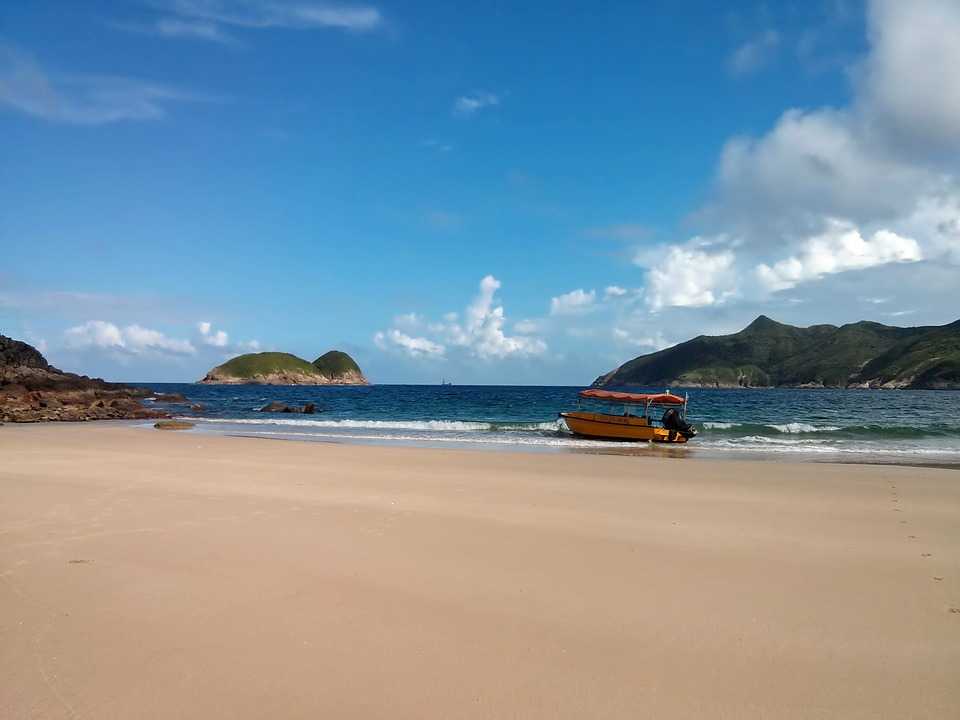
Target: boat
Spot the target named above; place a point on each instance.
(672, 426)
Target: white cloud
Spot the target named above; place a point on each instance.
(756, 53)
(480, 333)
(575, 302)
(256, 14)
(910, 79)
(130, 339)
(473, 102)
(80, 99)
(614, 291)
(173, 27)
(651, 342)
(209, 337)
(412, 346)
(692, 275)
(526, 327)
(840, 248)
(837, 190)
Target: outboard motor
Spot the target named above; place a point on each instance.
(672, 420)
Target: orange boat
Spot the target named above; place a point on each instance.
(672, 428)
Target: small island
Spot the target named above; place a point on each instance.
(279, 368)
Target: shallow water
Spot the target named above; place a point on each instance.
(908, 426)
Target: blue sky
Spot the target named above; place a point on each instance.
(501, 193)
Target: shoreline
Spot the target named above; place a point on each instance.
(689, 451)
(158, 574)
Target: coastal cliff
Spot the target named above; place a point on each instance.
(32, 390)
(771, 354)
(277, 368)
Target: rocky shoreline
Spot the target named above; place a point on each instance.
(32, 390)
(281, 378)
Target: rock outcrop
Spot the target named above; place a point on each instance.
(32, 390)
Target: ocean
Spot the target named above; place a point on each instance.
(895, 426)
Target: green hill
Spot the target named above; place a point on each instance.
(767, 353)
(335, 363)
(279, 368)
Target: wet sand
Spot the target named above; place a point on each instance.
(156, 575)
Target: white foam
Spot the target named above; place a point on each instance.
(424, 425)
(798, 427)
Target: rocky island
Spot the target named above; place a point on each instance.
(278, 368)
(771, 354)
(32, 390)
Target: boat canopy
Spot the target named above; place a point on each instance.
(632, 398)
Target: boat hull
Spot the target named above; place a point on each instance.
(628, 428)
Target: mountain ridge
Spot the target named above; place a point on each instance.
(768, 353)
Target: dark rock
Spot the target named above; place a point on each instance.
(32, 390)
(277, 407)
(170, 398)
(198, 407)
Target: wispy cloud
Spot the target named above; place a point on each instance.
(755, 54)
(80, 99)
(211, 19)
(172, 27)
(470, 104)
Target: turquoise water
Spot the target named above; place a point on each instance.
(908, 426)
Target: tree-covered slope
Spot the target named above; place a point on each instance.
(336, 363)
(279, 368)
(768, 353)
(265, 363)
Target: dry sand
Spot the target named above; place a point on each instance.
(179, 575)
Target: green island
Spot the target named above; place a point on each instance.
(279, 368)
(771, 354)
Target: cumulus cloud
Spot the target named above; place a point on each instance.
(412, 346)
(839, 249)
(469, 104)
(614, 291)
(691, 275)
(479, 333)
(755, 54)
(575, 302)
(80, 99)
(133, 339)
(909, 80)
(212, 338)
(836, 190)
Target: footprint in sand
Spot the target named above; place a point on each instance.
(956, 611)
(926, 554)
(79, 562)
(912, 537)
(938, 579)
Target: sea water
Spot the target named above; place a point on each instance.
(908, 426)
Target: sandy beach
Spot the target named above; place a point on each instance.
(160, 575)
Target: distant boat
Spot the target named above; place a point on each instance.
(443, 381)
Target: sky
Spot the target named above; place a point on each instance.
(511, 193)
